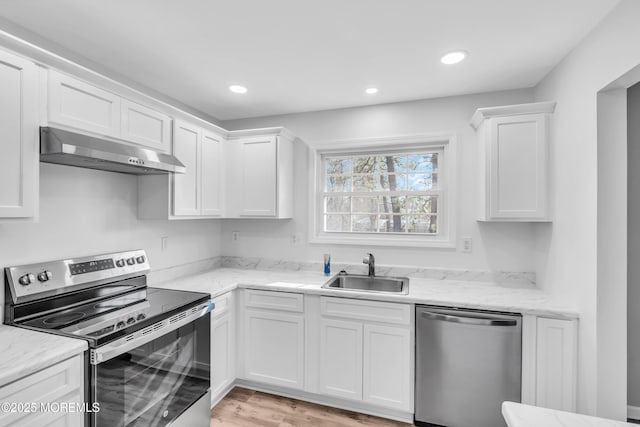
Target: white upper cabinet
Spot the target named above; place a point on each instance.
(513, 153)
(198, 193)
(145, 126)
(77, 105)
(260, 175)
(186, 186)
(18, 137)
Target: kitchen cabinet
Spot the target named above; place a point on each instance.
(19, 162)
(198, 193)
(341, 358)
(79, 106)
(60, 383)
(513, 155)
(223, 346)
(273, 341)
(260, 174)
(366, 352)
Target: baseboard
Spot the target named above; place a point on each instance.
(633, 412)
(216, 398)
(393, 414)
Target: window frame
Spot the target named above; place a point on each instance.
(445, 238)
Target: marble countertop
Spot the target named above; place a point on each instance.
(519, 415)
(23, 352)
(524, 299)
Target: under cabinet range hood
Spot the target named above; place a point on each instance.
(74, 149)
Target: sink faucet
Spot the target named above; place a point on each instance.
(371, 260)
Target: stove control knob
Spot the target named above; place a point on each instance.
(120, 324)
(45, 276)
(26, 279)
(140, 259)
(131, 261)
(141, 316)
(131, 320)
(120, 263)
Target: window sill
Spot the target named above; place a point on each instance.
(385, 241)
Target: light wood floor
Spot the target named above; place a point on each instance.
(248, 408)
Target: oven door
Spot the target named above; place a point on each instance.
(154, 377)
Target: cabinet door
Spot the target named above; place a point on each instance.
(386, 366)
(222, 344)
(186, 187)
(258, 186)
(18, 136)
(518, 172)
(556, 364)
(145, 126)
(274, 348)
(341, 358)
(82, 106)
(212, 173)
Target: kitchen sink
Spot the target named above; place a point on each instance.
(362, 283)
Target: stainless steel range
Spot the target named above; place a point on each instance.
(148, 362)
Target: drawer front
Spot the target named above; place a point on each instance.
(385, 312)
(274, 300)
(223, 304)
(62, 382)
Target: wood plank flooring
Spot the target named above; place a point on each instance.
(249, 408)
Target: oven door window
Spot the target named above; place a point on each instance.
(154, 383)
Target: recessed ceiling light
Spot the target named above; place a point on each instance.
(237, 89)
(453, 57)
(371, 90)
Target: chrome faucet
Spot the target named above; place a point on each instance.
(371, 260)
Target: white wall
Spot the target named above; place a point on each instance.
(87, 212)
(568, 252)
(504, 247)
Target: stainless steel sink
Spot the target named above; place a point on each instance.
(361, 283)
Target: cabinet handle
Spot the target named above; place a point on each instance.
(481, 321)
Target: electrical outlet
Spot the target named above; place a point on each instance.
(296, 238)
(466, 244)
(235, 236)
(164, 243)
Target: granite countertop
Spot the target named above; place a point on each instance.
(24, 352)
(519, 415)
(524, 299)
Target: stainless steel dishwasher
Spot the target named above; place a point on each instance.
(467, 363)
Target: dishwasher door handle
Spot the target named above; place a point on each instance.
(481, 321)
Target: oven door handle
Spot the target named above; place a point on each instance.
(150, 333)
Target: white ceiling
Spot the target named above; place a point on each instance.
(303, 55)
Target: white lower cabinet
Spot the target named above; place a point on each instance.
(368, 360)
(60, 383)
(223, 345)
(341, 358)
(273, 339)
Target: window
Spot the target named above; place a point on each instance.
(387, 192)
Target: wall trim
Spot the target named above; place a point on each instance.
(633, 412)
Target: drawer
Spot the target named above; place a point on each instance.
(62, 382)
(274, 300)
(385, 312)
(223, 303)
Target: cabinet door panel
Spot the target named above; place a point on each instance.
(221, 341)
(556, 364)
(387, 370)
(18, 136)
(259, 168)
(274, 348)
(518, 167)
(145, 126)
(341, 358)
(211, 174)
(186, 186)
(82, 106)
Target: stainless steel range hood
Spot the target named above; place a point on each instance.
(74, 149)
